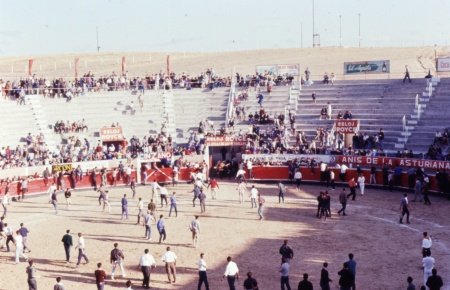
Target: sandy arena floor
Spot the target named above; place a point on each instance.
(385, 251)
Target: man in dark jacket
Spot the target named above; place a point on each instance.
(434, 282)
(325, 278)
(347, 278)
(305, 284)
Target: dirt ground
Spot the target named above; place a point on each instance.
(386, 252)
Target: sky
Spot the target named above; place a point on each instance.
(55, 26)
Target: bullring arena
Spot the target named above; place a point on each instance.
(386, 252)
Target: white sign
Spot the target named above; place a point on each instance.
(287, 157)
(443, 64)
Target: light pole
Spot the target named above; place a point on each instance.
(314, 41)
(340, 30)
(98, 47)
(359, 27)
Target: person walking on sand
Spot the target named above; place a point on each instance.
(202, 278)
(106, 201)
(55, 201)
(140, 208)
(281, 191)
(253, 195)
(241, 188)
(284, 271)
(405, 208)
(81, 249)
(146, 264)
(286, 251)
(68, 243)
(173, 204)
(18, 241)
(194, 226)
(117, 258)
(343, 201)
(68, 195)
(100, 277)
(202, 198)
(214, 187)
(24, 233)
(231, 273)
(161, 229)
(261, 202)
(5, 202)
(31, 273)
(124, 203)
(361, 181)
(170, 259)
(147, 222)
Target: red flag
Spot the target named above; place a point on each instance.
(76, 67)
(123, 65)
(168, 65)
(30, 67)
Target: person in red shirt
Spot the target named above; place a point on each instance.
(100, 276)
(214, 187)
(352, 185)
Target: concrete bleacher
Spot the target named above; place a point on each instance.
(275, 103)
(375, 103)
(104, 108)
(193, 106)
(434, 117)
(18, 121)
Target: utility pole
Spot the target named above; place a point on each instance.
(301, 35)
(314, 41)
(98, 47)
(359, 26)
(340, 30)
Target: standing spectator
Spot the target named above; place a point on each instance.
(352, 186)
(133, 186)
(250, 283)
(426, 244)
(214, 187)
(171, 261)
(173, 204)
(202, 198)
(406, 75)
(146, 264)
(313, 96)
(231, 273)
(67, 195)
(31, 273)
(286, 251)
(58, 285)
(298, 178)
(202, 278)
(140, 208)
(417, 190)
(281, 192)
(261, 202)
(81, 249)
(163, 194)
(410, 283)
(381, 138)
(68, 243)
(361, 183)
(428, 265)
(325, 277)
(305, 284)
(117, 258)
(411, 177)
(343, 201)
(352, 267)
(18, 241)
(24, 185)
(250, 168)
(55, 201)
(284, 271)
(253, 195)
(147, 222)
(124, 203)
(5, 201)
(100, 277)
(373, 172)
(194, 226)
(346, 281)
(23, 231)
(434, 282)
(260, 98)
(161, 229)
(332, 177)
(404, 206)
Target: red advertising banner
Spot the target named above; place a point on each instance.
(30, 67)
(109, 134)
(226, 141)
(402, 162)
(346, 126)
(76, 66)
(123, 65)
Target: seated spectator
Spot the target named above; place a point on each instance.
(325, 78)
(340, 116)
(348, 115)
(323, 113)
(445, 137)
(437, 137)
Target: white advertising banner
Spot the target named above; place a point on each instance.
(286, 157)
(443, 64)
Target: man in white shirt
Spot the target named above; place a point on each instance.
(428, 265)
(148, 221)
(231, 273)
(50, 191)
(253, 195)
(81, 249)
(343, 171)
(171, 261)
(426, 244)
(284, 271)
(146, 263)
(250, 169)
(202, 278)
(18, 241)
(298, 178)
(163, 194)
(155, 187)
(241, 189)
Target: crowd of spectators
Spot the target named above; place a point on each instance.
(68, 127)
